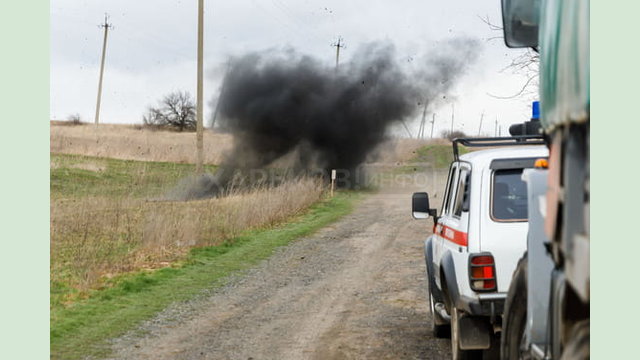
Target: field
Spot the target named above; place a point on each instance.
(435, 155)
(81, 329)
(128, 142)
(107, 217)
(105, 221)
(113, 234)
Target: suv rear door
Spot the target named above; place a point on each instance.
(457, 222)
(503, 233)
(443, 220)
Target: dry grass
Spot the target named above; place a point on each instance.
(128, 142)
(131, 142)
(102, 224)
(96, 238)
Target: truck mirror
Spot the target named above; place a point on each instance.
(420, 205)
(520, 21)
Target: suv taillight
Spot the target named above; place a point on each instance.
(482, 272)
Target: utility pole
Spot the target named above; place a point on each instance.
(422, 123)
(452, 112)
(496, 129)
(406, 128)
(433, 121)
(199, 124)
(106, 27)
(339, 44)
(480, 128)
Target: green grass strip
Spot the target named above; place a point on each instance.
(115, 178)
(82, 329)
(439, 155)
(431, 157)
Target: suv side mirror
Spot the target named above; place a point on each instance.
(420, 205)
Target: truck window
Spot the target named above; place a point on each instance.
(463, 183)
(508, 196)
(449, 189)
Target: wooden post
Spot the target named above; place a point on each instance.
(333, 181)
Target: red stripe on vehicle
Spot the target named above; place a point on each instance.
(455, 236)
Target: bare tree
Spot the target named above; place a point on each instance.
(176, 110)
(525, 64)
(74, 119)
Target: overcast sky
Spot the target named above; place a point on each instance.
(152, 50)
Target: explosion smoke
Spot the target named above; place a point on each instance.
(280, 105)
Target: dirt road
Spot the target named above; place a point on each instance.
(354, 290)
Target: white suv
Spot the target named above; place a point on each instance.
(477, 240)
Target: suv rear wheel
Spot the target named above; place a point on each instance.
(578, 345)
(439, 327)
(515, 314)
(456, 352)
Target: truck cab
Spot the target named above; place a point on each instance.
(553, 322)
(479, 234)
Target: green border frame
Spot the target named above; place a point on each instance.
(24, 190)
(24, 246)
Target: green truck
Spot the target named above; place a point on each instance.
(547, 310)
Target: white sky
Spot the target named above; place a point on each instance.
(152, 50)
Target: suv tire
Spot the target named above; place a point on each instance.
(456, 352)
(515, 314)
(439, 327)
(578, 346)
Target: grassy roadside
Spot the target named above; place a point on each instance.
(74, 176)
(432, 156)
(83, 328)
(103, 224)
(438, 155)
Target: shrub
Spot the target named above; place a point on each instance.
(176, 110)
(74, 119)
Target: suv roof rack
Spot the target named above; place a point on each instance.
(496, 141)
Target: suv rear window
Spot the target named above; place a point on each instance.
(509, 196)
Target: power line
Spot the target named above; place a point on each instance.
(106, 26)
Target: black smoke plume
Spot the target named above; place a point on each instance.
(286, 105)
